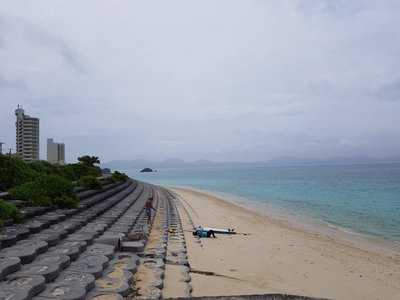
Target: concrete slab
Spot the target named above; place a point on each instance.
(102, 249)
(9, 265)
(92, 264)
(82, 245)
(81, 237)
(57, 228)
(50, 237)
(85, 280)
(62, 261)
(71, 251)
(22, 285)
(40, 246)
(48, 271)
(21, 231)
(25, 254)
(7, 239)
(96, 295)
(35, 225)
(135, 246)
(108, 239)
(149, 293)
(115, 281)
(64, 291)
(52, 218)
(12, 294)
(126, 261)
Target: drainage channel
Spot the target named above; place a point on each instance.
(149, 279)
(177, 270)
(164, 269)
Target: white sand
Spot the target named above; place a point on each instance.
(278, 258)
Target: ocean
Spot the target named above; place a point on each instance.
(363, 198)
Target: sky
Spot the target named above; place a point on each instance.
(219, 80)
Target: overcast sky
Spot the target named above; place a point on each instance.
(220, 80)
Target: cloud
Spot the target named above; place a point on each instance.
(33, 35)
(42, 38)
(11, 84)
(389, 92)
(224, 80)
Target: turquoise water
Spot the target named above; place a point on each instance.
(364, 198)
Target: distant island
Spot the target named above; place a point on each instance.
(280, 161)
(146, 170)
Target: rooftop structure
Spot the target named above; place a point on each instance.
(27, 136)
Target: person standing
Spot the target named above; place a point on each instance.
(148, 207)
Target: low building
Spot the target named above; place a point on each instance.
(55, 152)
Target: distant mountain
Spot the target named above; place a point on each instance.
(172, 162)
(204, 162)
(281, 161)
(126, 164)
(142, 163)
(287, 161)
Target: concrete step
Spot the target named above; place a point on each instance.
(51, 264)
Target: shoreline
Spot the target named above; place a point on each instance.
(276, 257)
(305, 224)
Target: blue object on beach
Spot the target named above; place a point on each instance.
(202, 233)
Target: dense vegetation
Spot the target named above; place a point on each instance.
(117, 176)
(8, 211)
(89, 182)
(40, 183)
(43, 190)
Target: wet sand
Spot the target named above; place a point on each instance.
(277, 257)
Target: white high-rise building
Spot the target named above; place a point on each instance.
(55, 152)
(27, 136)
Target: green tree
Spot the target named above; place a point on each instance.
(89, 182)
(14, 171)
(43, 190)
(8, 211)
(89, 160)
(117, 176)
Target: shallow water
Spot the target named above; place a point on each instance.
(364, 198)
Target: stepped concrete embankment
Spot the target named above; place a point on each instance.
(104, 249)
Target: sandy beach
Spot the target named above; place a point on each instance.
(276, 257)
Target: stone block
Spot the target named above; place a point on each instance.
(60, 260)
(85, 280)
(135, 247)
(108, 239)
(7, 239)
(71, 251)
(22, 286)
(48, 271)
(92, 264)
(82, 245)
(115, 281)
(81, 237)
(9, 265)
(64, 291)
(101, 249)
(96, 295)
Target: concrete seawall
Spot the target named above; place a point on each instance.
(253, 297)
